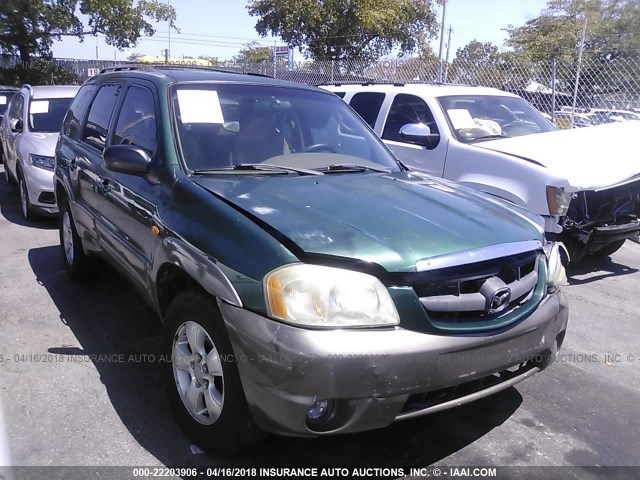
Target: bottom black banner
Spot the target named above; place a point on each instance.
(368, 472)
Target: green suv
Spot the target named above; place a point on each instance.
(309, 284)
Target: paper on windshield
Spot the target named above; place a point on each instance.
(3, 100)
(199, 106)
(461, 118)
(39, 106)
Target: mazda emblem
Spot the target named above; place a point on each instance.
(499, 300)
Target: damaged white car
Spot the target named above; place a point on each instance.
(585, 183)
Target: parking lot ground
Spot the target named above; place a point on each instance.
(63, 408)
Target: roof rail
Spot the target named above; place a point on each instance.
(360, 82)
(163, 66)
(127, 67)
(395, 84)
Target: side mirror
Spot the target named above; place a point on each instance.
(127, 159)
(16, 125)
(419, 134)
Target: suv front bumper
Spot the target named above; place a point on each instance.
(40, 188)
(375, 377)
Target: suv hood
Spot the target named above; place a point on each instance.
(392, 220)
(588, 158)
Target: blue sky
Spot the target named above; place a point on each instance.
(220, 28)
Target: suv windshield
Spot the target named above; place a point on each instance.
(474, 118)
(223, 126)
(46, 115)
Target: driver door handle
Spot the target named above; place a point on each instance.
(102, 184)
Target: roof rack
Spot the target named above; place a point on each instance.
(124, 68)
(395, 84)
(163, 66)
(360, 82)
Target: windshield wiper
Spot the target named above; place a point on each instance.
(265, 167)
(353, 167)
(489, 137)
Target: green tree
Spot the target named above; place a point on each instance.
(477, 63)
(612, 30)
(253, 53)
(347, 29)
(29, 27)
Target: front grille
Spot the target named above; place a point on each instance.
(463, 297)
(611, 206)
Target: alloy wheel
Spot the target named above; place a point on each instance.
(24, 199)
(67, 237)
(197, 371)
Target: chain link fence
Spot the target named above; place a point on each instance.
(550, 86)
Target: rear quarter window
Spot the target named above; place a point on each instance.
(100, 113)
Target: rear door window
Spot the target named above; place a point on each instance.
(95, 131)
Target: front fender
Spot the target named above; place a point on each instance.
(198, 265)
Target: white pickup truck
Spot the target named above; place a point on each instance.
(585, 183)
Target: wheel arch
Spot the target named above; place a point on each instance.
(181, 268)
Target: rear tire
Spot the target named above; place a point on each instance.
(608, 250)
(78, 265)
(7, 175)
(202, 379)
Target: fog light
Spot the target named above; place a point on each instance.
(320, 411)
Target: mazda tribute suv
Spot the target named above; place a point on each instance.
(308, 283)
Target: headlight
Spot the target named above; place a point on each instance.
(325, 297)
(556, 274)
(40, 161)
(558, 200)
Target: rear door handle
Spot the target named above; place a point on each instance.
(69, 163)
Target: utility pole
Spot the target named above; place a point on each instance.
(96, 46)
(444, 9)
(446, 69)
(169, 37)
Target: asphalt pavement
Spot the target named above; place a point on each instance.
(79, 385)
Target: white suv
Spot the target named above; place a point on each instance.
(29, 132)
(584, 182)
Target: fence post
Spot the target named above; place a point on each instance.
(553, 89)
(575, 88)
(332, 68)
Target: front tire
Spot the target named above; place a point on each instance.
(78, 265)
(28, 212)
(202, 379)
(608, 250)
